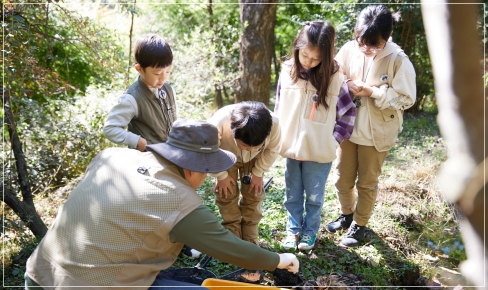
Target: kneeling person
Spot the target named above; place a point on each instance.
(129, 216)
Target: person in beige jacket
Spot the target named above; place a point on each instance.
(252, 132)
(382, 80)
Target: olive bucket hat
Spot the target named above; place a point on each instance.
(194, 145)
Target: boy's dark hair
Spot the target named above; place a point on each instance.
(153, 51)
(374, 22)
(251, 122)
(321, 35)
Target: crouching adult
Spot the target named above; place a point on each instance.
(131, 214)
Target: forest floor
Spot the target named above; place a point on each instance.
(412, 238)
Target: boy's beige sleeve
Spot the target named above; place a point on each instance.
(271, 150)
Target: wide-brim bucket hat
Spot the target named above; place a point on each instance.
(194, 145)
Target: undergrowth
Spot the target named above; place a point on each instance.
(412, 237)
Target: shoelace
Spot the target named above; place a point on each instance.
(353, 230)
(306, 238)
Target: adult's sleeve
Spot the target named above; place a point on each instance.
(201, 230)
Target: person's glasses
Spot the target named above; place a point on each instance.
(364, 48)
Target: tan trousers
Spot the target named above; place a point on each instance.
(358, 166)
(241, 217)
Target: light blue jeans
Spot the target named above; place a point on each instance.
(308, 176)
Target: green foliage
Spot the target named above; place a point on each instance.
(60, 138)
(205, 48)
(51, 52)
(53, 55)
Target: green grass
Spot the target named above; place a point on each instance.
(412, 236)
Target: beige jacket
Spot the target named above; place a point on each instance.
(307, 131)
(379, 119)
(270, 151)
(114, 228)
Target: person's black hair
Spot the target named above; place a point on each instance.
(374, 22)
(251, 122)
(153, 51)
(321, 35)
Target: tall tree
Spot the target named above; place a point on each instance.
(258, 19)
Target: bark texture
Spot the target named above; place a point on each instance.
(258, 19)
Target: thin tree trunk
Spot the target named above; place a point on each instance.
(218, 96)
(226, 95)
(258, 19)
(25, 209)
(218, 92)
(276, 64)
(130, 43)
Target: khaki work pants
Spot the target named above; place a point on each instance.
(358, 166)
(242, 216)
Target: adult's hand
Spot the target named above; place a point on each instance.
(289, 262)
(223, 186)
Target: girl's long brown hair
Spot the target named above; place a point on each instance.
(321, 35)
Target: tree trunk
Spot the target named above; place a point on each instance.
(25, 209)
(258, 18)
(454, 46)
(218, 96)
(132, 12)
(218, 93)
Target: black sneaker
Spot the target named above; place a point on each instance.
(354, 235)
(341, 223)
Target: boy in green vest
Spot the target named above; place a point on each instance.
(148, 107)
